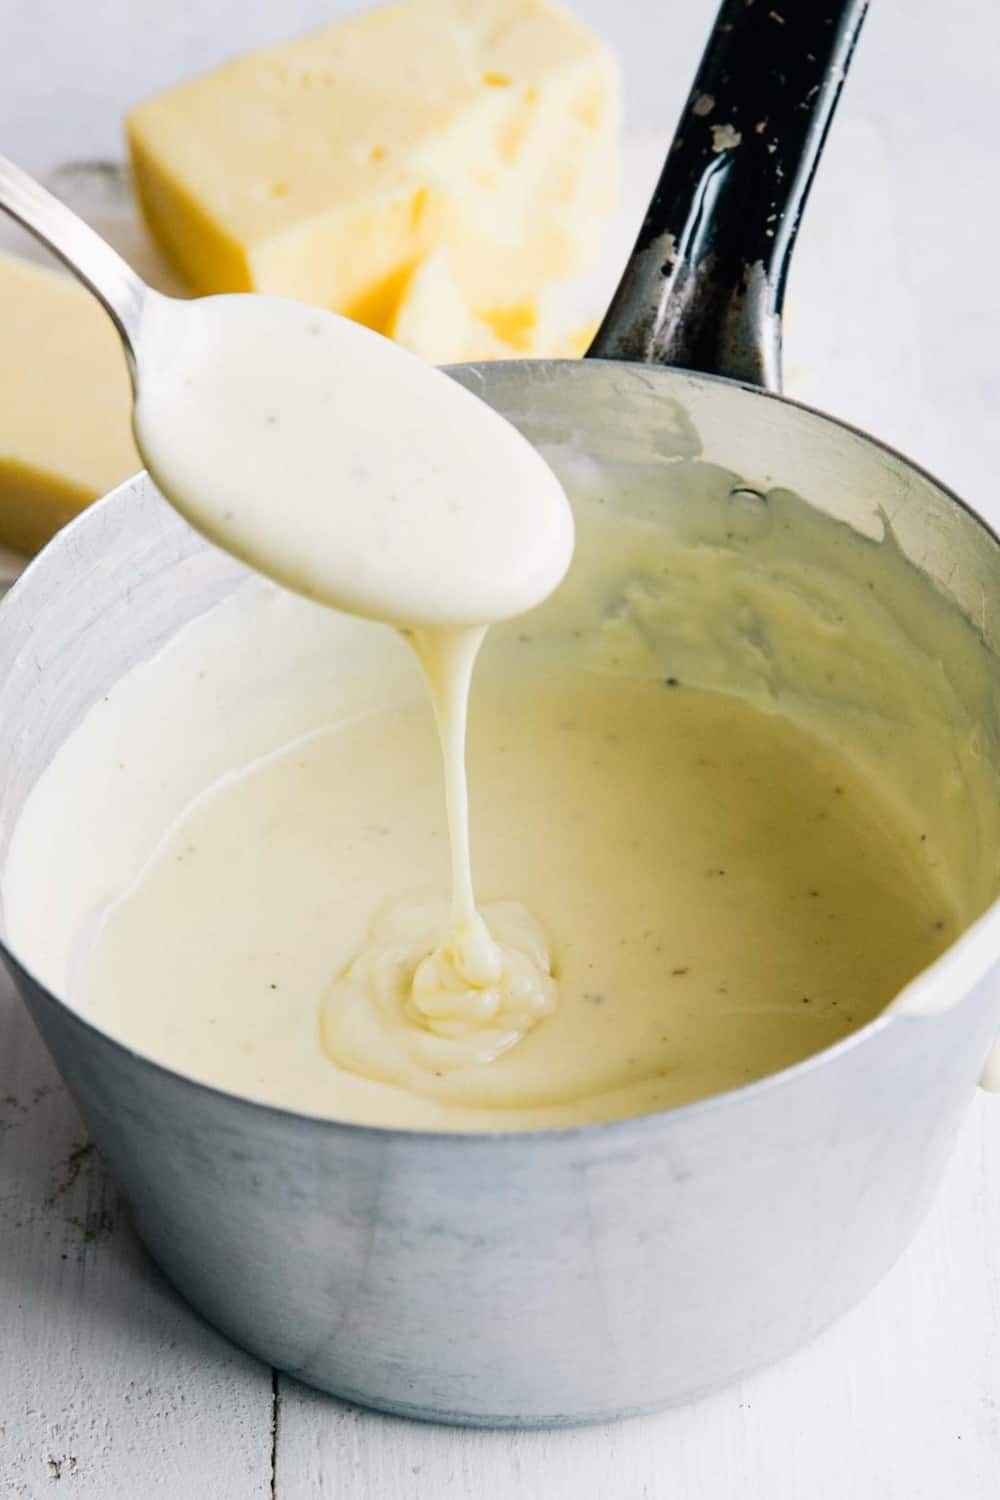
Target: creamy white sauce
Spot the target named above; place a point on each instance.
(339, 465)
(450, 988)
(254, 859)
(718, 892)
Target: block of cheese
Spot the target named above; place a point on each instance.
(327, 168)
(65, 403)
(433, 320)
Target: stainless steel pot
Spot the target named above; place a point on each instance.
(568, 1275)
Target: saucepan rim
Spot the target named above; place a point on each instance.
(966, 959)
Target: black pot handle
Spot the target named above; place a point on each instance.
(704, 286)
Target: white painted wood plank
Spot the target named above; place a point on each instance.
(107, 1381)
(899, 1401)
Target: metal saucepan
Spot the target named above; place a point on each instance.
(562, 1276)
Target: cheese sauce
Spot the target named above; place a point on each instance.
(334, 462)
(723, 894)
(714, 768)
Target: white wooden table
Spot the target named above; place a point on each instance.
(109, 1386)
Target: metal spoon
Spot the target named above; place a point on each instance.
(320, 453)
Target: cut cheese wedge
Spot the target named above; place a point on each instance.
(328, 168)
(65, 404)
(433, 320)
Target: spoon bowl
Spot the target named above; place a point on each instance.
(267, 424)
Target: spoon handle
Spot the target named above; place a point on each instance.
(91, 259)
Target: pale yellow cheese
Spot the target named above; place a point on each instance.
(433, 319)
(327, 168)
(65, 404)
